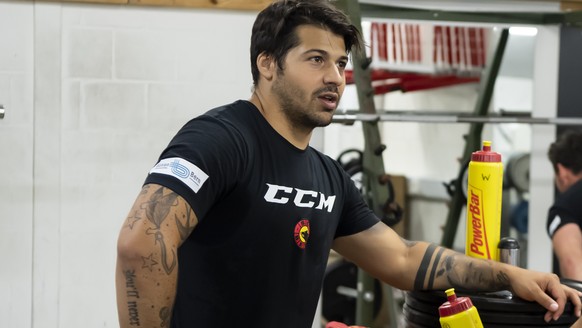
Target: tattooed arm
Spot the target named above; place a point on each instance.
(423, 266)
(147, 262)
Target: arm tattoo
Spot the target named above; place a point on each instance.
(148, 262)
(434, 267)
(145, 189)
(131, 220)
(503, 279)
(165, 316)
(421, 273)
(132, 293)
(458, 271)
(408, 243)
(448, 268)
(471, 273)
(157, 209)
(185, 229)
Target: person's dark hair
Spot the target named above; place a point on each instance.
(567, 150)
(274, 30)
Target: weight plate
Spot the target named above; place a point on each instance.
(419, 319)
(518, 172)
(492, 302)
(337, 306)
(497, 309)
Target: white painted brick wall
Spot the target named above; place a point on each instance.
(145, 55)
(88, 53)
(113, 85)
(113, 105)
(131, 78)
(16, 164)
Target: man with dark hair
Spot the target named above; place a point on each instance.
(565, 215)
(235, 222)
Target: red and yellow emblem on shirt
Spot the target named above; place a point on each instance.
(301, 233)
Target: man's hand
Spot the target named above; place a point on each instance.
(545, 289)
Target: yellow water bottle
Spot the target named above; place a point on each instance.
(458, 312)
(484, 191)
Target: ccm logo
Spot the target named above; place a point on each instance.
(301, 198)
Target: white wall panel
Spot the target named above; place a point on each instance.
(131, 78)
(545, 104)
(47, 159)
(88, 53)
(16, 164)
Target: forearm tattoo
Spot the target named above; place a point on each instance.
(421, 273)
(458, 271)
(434, 267)
(165, 314)
(132, 296)
(156, 210)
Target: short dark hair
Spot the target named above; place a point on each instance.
(274, 30)
(567, 150)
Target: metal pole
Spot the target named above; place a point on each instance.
(373, 166)
(427, 118)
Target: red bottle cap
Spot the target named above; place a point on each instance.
(454, 305)
(485, 154)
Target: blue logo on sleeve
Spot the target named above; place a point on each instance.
(183, 170)
(179, 169)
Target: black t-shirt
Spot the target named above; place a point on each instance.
(566, 209)
(268, 213)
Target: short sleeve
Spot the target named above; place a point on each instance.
(201, 163)
(356, 215)
(557, 218)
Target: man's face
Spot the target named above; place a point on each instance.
(312, 81)
(560, 183)
(564, 178)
